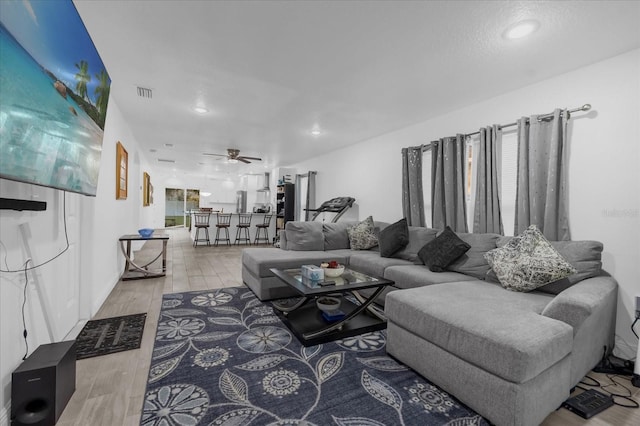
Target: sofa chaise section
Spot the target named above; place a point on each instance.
(513, 357)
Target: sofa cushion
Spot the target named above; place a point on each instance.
(473, 262)
(393, 238)
(371, 263)
(418, 237)
(443, 250)
(584, 256)
(304, 236)
(335, 235)
(362, 236)
(411, 276)
(528, 261)
(484, 325)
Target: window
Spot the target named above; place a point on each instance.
(507, 180)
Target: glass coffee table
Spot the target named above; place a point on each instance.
(305, 320)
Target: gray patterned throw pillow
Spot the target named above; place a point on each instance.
(361, 236)
(528, 261)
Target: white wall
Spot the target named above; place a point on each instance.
(604, 164)
(111, 218)
(95, 256)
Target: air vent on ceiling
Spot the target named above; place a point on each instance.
(163, 160)
(143, 92)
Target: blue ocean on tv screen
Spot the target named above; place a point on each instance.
(46, 137)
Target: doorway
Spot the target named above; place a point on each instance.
(174, 207)
(178, 206)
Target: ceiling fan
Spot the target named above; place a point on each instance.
(233, 156)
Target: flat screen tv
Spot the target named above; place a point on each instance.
(54, 91)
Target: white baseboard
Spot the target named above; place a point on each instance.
(4, 415)
(624, 349)
(75, 330)
(101, 298)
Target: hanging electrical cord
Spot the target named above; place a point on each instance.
(66, 237)
(24, 302)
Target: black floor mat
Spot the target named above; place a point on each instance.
(110, 335)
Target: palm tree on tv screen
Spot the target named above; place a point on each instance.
(102, 92)
(83, 78)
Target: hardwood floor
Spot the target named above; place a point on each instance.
(110, 388)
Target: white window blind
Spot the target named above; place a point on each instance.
(426, 185)
(509, 179)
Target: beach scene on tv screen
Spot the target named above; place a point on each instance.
(54, 91)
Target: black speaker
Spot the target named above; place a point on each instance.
(43, 384)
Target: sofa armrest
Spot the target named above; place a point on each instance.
(282, 237)
(304, 236)
(575, 304)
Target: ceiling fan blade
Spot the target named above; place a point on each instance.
(243, 159)
(250, 158)
(215, 155)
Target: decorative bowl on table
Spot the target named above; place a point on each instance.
(145, 232)
(328, 303)
(333, 272)
(332, 269)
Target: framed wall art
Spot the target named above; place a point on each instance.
(122, 172)
(147, 190)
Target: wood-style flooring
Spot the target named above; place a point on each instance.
(110, 388)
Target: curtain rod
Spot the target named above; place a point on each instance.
(585, 107)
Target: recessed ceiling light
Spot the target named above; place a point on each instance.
(315, 130)
(521, 29)
(200, 109)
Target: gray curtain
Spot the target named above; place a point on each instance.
(486, 213)
(311, 194)
(309, 200)
(298, 204)
(541, 197)
(412, 196)
(447, 183)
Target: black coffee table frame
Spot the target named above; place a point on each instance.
(305, 320)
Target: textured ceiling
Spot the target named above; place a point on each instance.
(269, 71)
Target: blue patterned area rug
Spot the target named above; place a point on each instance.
(222, 357)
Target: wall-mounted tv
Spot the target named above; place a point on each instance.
(54, 91)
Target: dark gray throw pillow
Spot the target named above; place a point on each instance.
(393, 238)
(443, 250)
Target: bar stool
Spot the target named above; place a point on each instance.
(264, 226)
(244, 222)
(201, 221)
(224, 221)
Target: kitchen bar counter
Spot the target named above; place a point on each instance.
(255, 219)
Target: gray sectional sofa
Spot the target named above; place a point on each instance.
(511, 356)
